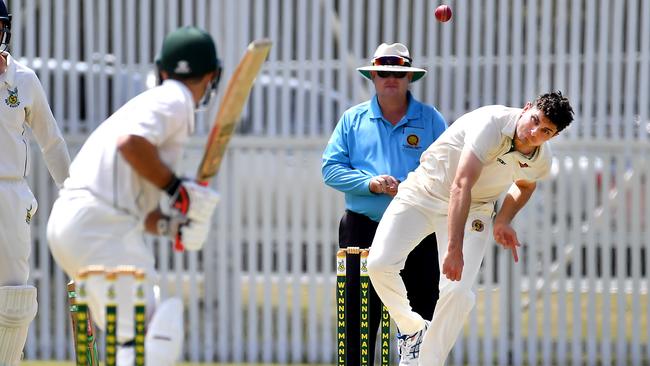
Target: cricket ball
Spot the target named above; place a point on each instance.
(443, 13)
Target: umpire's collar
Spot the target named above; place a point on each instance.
(413, 111)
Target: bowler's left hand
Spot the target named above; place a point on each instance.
(506, 236)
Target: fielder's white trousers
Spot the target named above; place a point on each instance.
(402, 227)
(17, 205)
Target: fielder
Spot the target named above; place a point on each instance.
(453, 194)
(22, 104)
(118, 179)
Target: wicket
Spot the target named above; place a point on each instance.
(86, 352)
(341, 288)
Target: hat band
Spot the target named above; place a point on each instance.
(391, 61)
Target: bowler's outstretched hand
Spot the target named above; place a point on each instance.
(452, 265)
(506, 236)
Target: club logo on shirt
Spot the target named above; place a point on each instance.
(477, 225)
(523, 165)
(12, 99)
(28, 216)
(413, 140)
(501, 161)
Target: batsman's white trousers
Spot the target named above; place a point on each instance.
(400, 230)
(83, 231)
(17, 205)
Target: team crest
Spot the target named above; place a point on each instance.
(364, 267)
(111, 292)
(12, 99)
(341, 266)
(477, 225)
(182, 67)
(412, 140)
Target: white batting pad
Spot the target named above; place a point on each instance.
(165, 334)
(18, 308)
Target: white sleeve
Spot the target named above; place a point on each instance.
(160, 122)
(47, 134)
(482, 136)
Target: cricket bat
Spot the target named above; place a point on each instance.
(237, 92)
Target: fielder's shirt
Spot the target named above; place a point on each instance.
(488, 132)
(23, 104)
(364, 145)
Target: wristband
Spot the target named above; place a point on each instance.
(172, 186)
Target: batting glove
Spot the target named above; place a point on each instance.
(194, 234)
(195, 202)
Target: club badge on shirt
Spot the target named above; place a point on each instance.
(477, 225)
(12, 99)
(413, 140)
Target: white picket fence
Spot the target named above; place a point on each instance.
(262, 289)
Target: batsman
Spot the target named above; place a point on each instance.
(117, 183)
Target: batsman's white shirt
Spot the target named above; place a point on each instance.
(98, 217)
(23, 105)
(164, 116)
(420, 208)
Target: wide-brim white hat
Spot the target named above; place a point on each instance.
(385, 52)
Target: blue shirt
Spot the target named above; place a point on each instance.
(364, 145)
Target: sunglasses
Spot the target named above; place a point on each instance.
(395, 74)
(391, 61)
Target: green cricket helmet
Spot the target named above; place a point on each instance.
(188, 52)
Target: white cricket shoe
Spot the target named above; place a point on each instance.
(409, 346)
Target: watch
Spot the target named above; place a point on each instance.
(162, 226)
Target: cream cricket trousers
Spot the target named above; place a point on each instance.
(84, 231)
(17, 205)
(400, 230)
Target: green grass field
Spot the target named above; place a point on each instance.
(52, 363)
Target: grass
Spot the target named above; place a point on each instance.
(69, 363)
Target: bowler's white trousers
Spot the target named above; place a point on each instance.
(400, 230)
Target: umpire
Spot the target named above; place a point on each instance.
(372, 149)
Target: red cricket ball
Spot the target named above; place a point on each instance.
(443, 13)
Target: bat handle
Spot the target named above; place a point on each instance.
(178, 245)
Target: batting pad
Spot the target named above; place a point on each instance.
(165, 334)
(18, 308)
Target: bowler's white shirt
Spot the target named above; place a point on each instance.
(488, 132)
(164, 116)
(23, 103)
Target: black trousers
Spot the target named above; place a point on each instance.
(420, 274)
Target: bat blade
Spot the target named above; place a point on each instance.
(237, 92)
